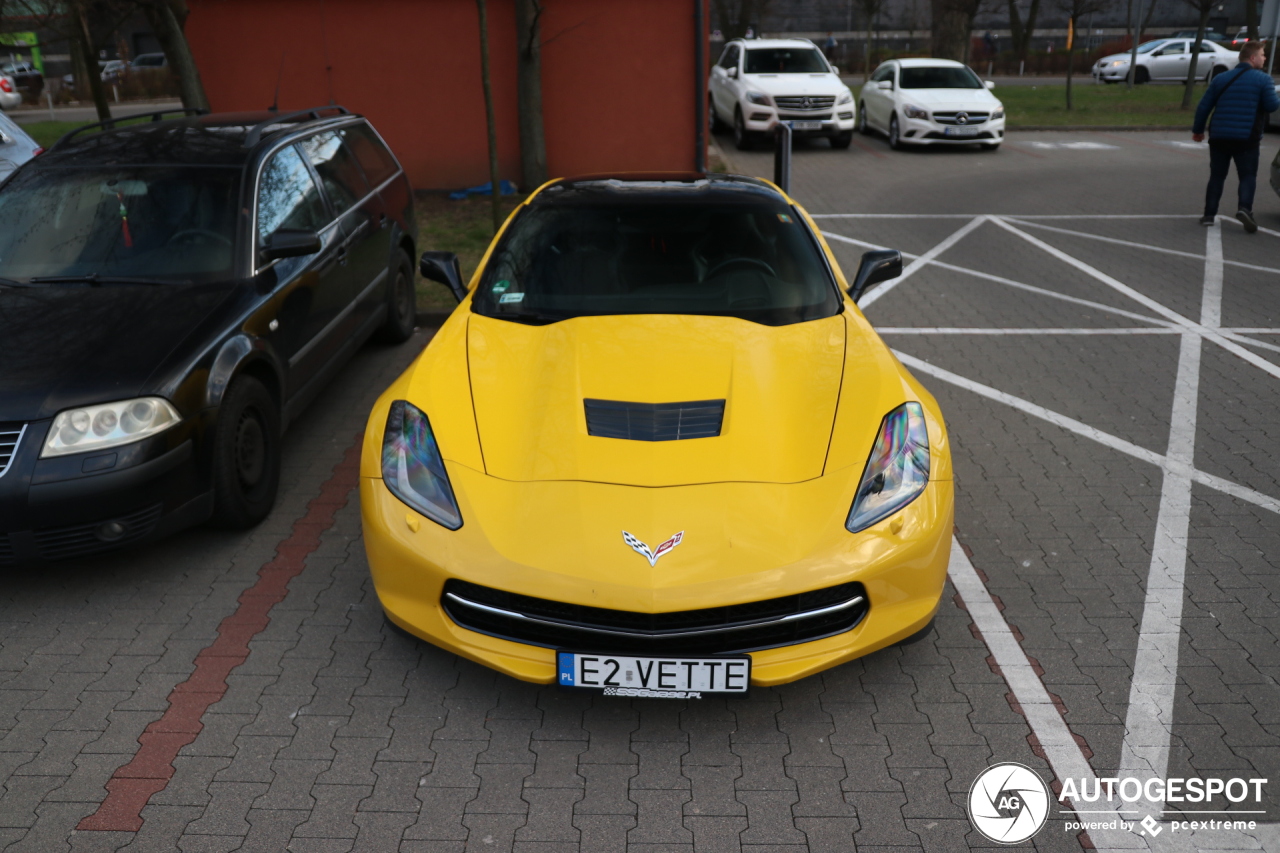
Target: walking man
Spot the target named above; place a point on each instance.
(1239, 101)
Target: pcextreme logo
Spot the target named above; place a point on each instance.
(1008, 803)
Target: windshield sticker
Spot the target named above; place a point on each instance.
(783, 217)
(508, 298)
(501, 286)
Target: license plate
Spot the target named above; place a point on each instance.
(806, 125)
(654, 677)
(960, 131)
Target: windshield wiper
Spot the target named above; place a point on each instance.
(94, 279)
(11, 282)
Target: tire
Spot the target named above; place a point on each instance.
(246, 455)
(402, 303)
(841, 141)
(1141, 76)
(895, 135)
(863, 127)
(1214, 72)
(742, 138)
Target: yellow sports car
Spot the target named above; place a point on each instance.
(658, 450)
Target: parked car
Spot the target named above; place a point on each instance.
(1241, 38)
(25, 76)
(657, 430)
(1166, 60)
(149, 60)
(760, 82)
(113, 70)
(1209, 35)
(173, 293)
(16, 147)
(930, 102)
(10, 94)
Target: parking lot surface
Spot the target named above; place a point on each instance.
(1109, 369)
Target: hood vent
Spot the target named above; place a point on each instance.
(654, 421)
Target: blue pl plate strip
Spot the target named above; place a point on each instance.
(566, 668)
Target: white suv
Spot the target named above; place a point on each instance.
(760, 82)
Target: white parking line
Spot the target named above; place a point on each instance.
(964, 330)
(1073, 146)
(924, 259)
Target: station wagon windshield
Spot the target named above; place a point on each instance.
(940, 77)
(785, 60)
(753, 260)
(161, 223)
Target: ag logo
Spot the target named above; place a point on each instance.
(1008, 803)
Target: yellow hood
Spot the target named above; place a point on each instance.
(780, 385)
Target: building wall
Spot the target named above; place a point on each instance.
(617, 77)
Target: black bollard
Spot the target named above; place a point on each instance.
(782, 156)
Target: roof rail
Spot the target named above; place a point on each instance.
(255, 133)
(110, 123)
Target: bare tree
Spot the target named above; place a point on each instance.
(1075, 10)
(486, 82)
(1132, 77)
(952, 27)
(1022, 31)
(168, 19)
(869, 9)
(533, 144)
(1204, 7)
(734, 16)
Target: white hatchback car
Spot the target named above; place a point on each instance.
(760, 82)
(1167, 59)
(930, 102)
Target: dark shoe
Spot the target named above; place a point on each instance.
(1246, 219)
(1207, 220)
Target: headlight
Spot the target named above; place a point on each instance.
(760, 98)
(412, 467)
(108, 425)
(914, 112)
(897, 471)
(997, 113)
(1116, 63)
(846, 98)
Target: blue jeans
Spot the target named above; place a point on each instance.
(1221, 153)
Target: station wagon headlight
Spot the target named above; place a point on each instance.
(897, 471)
(846, 98)
(760, 98)
(998, 113)
(911, 111)
(90, 428)
(412, 466)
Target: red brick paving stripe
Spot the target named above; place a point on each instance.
(132, 786)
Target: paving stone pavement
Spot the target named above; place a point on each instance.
(341, 733)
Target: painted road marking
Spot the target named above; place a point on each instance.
(1073, 146)
(924, 259)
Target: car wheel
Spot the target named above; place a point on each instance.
(401, 303)
(741, 136)
(863, 127)
(895, 137)
(842, 141)
(1141, 76)
(246, 455)
(713, 118)
(1215, 71)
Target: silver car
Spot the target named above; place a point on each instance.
(16, 147)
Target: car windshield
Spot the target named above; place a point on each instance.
(940, 77)
(154, 222)
(754, 260)
(785, 60)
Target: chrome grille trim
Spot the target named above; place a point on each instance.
(10, 438)
(805, 102)
(950, 117)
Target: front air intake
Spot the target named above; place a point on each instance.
(654, 421)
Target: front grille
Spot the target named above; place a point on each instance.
(10, 435)
(807, 103)
(937, 134)
(951, 118)
(6, 550)
(61, 543)
(805, 117)
(756, 625)
(654, 421)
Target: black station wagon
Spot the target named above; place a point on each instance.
(172, 294)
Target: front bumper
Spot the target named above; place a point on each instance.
(72, 506)
(1110, 75)
(835, 121)
(540, 540)
(918, 131)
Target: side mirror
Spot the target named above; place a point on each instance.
(887, 85)
(991, 84)
(289, 243)
(880, 265)
(444, 268)
(835, 69)
(732, 72)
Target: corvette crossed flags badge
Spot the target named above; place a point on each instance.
(643, 549)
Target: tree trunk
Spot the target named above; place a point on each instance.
(1132, 76)
(533, 144)
(950, 31)
(83, 38)
(1251, 18)
(866, 54)
(1071, 56)
(488, 115)
(168, 29)
(1193, 61)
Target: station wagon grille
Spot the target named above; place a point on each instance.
(953, 117)
(10, 435)
(654, 421)
(755, 625)
(805, 102)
